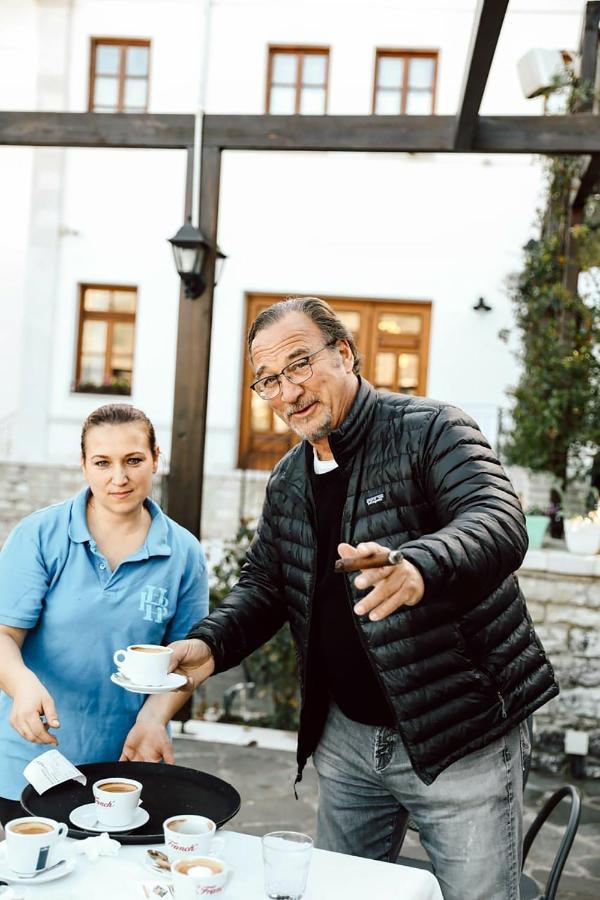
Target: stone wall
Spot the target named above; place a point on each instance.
(563, 597)
(25, 488)
(228, 496)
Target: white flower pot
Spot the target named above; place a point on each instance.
(582, 536)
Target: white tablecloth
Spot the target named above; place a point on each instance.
(332, 875)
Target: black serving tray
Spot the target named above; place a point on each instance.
(168, 791)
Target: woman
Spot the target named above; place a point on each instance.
(78, 581)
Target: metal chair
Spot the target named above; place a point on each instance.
(530, 890)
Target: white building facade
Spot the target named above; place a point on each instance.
(404, 244)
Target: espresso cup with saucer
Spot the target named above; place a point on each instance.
(117, 800)
(146, 664)
(199, 876)
(187, 836)
(31, 843)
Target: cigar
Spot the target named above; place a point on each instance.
(373, 561)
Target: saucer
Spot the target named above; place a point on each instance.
(85, 817)
(11, 877)
(173, 682)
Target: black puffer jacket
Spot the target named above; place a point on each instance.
(463, 666)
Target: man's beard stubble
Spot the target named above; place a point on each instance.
(320, 431)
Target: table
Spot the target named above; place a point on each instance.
(332, 875)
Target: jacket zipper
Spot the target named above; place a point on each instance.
(304, 670)
(498, 694)
(351, 521)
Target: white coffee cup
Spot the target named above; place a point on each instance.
(146, 664)
(31, 843)
(117, 800)
(199, 876)
(187, 836)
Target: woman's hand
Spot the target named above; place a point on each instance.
(148, 741)
(31, 700)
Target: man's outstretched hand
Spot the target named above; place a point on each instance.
(192, 658)
(392, 586)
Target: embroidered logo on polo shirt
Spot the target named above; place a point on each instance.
(376, 499)
(154, 603)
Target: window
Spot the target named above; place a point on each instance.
(393, 341)
(119, 73)
(405, 82)
(297, 80)
(106, 337)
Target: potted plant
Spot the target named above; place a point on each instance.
(582, 533)
(536, 522)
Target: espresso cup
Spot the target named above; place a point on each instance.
(199, 876)
(31, 843)
(187, 836)
(146, 664)
(117, 800)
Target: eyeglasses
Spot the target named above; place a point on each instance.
(296, 372)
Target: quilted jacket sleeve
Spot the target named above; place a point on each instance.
(255, 609)
(481, 538)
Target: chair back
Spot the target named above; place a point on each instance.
(571, 793)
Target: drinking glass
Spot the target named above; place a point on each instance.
(286, 856)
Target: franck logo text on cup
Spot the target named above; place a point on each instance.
(183, 848)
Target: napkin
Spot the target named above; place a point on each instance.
(49, 769)
(9, 893)
(93, 847)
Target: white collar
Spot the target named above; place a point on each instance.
(323, 465)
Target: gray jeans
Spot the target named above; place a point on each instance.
(470, 818)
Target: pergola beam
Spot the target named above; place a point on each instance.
(588, 49)
(404, 134)
(576, 134)
(127, 130)
(588, 182)
(486, 31)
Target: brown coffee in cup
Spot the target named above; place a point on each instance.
(149, 649)
(182, 826)
(32, 827)
(116, 787)
(198, 862)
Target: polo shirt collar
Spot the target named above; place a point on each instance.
(78, 529)
(157, 539)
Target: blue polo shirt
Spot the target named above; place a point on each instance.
(55, 582)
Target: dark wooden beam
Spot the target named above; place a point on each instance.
(191, 374)
(550, 135)
(489, 17)
(403, 134)
(589, 181)
(588, 49)
(140, 130)
(575, 134)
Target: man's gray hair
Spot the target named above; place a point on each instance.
(318, 311)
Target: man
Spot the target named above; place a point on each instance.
(416, 678)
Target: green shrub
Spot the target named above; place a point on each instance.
(273, 666)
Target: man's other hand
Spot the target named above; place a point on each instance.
(192, 658)
(392, 586)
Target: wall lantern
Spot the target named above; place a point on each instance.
(191, 252)
(482, 306)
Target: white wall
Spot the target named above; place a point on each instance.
(446, 229)
(17, 91)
